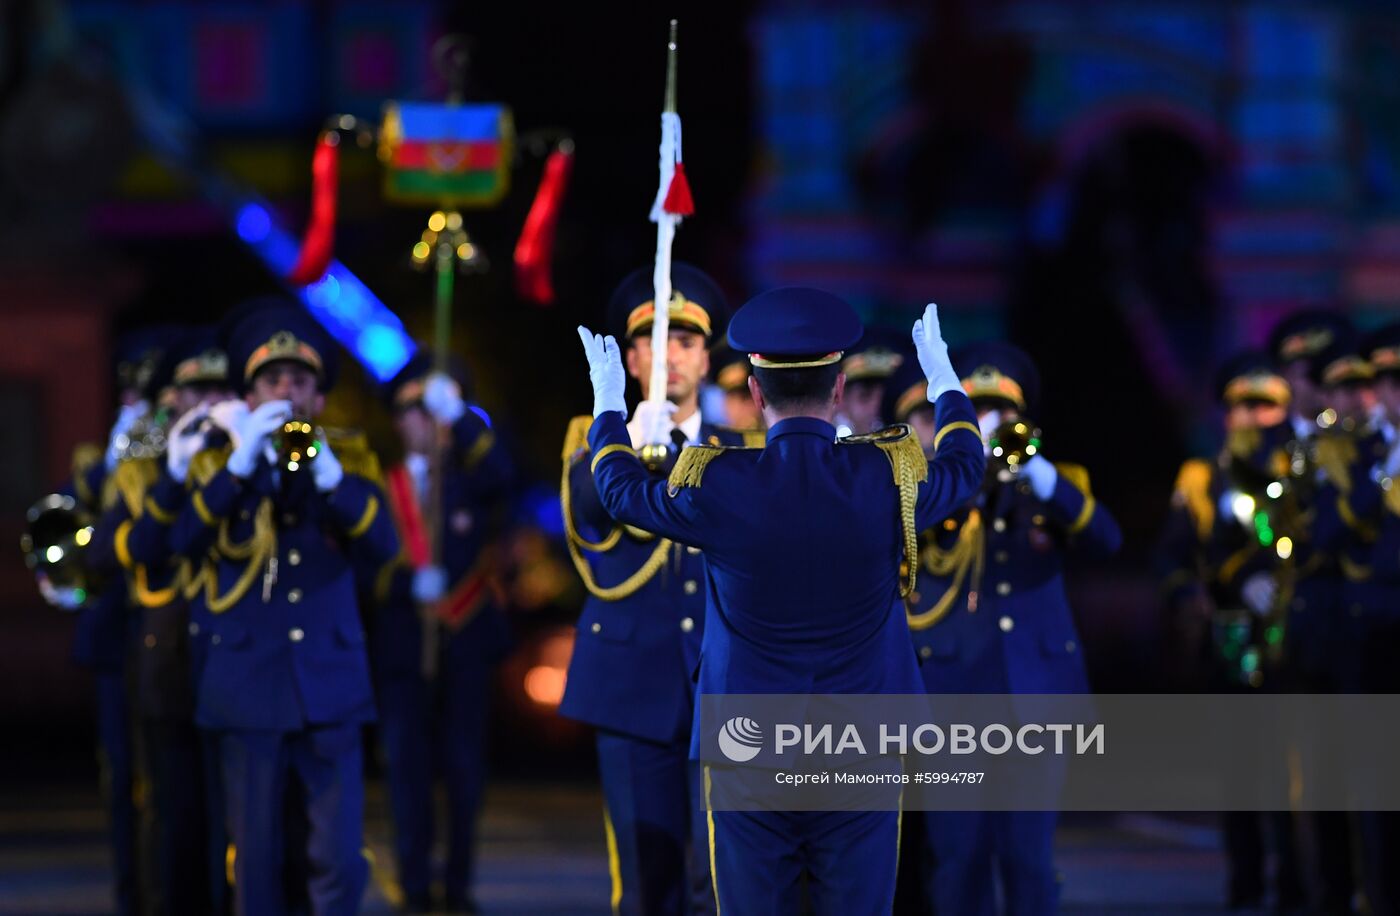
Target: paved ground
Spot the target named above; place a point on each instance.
(543, 854)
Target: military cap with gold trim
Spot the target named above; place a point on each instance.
(196, 359)
(140, 355)
(1251, 377)
(905, 391)
(795, 327)
(1381, 348)
(266, 331)
(1341, 362)
(731, 371)
(406, 388)
(994, 370)
(876, 357)
(1305, 334)
(696, 303)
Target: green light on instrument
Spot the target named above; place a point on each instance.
(1262, 529)
(1250, 661)
(1273, 635)
(80, 595)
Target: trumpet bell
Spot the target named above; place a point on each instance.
(54, 543)
(1012, 444)
(296, 444)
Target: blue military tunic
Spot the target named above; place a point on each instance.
(283, 676)
(991, 616)
(632, 676)
(802, 541)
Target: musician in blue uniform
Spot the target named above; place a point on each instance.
(285, 684)
(639, 634)
(803, 541)
(433, 708)
(133, 537)
(867, 367)
(991, 616)
(1316, 643)
(102, 639)
(1221, 575)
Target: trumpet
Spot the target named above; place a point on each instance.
(54, 544)
(1012, 444)
(297, 444)
(146, 438)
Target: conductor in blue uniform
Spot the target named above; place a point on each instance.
(803, 542)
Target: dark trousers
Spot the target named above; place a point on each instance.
(1247, 835)
(174, 824)
(658, 842)
(323, 766)
(117, 767)
(972, 849)
(426, 732)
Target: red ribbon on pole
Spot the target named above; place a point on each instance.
(319, 241)
(535, 248)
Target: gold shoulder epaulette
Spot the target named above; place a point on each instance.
(351, 447)
(910, 468)
(208, 462)
(1335, 454)
(1076, 474)
(752, 438)
(132, 478)
(1192, 491)
(85, 455)
(576, 437)
(692, 461)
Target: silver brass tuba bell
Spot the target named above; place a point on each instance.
(54, 546)
(1011, 445)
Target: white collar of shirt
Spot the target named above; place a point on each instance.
(690, 426)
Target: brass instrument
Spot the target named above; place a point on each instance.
(297, 444)
(1011, 445)
(54, 545)
(146, 438)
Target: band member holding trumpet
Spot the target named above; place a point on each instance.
(1226, 557)
(433, 718)
(132, 539)
(990, 614)
(285, 518)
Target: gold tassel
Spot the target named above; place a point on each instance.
(691, 464)
(910, 468)
(576, 437)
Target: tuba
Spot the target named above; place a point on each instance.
(1011, 445)
(55, 543)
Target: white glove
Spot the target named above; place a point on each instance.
(184, 442)
(1041, 475)
(655, 422)
(429, 584)
(325, 468)
(227, 415)
(933, 355)
(986, 425)
(253, 432)
(442, 396)
(1258, 593)
(1392, 461)
(605, 372)
(126, 419)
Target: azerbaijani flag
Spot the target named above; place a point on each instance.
(448, 155)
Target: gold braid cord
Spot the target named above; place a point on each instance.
(969, 551)
(262, 545)
(910, 468)
(691, 464)
(575, 446)
(1192, 490)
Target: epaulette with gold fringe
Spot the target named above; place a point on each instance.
(1335, 453)
(206, 463)
(576, 436)
(692, 461)
(910, 468)
(85, 457)
(132, 478)
(351, 447)
(750, 438)
(1192, 491)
